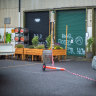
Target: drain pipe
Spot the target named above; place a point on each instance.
(19, 14)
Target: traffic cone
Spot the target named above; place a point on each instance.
(51, 67)
(55, 68)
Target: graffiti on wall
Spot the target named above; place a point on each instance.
(79, 40)
(74, 45)
(80, 51)
(40, 36)
(70, 50)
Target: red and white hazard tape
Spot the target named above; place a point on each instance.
(80, 75)
(63, 69)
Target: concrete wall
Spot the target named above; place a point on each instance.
(43, 4)
(9, 8)
(12, 13)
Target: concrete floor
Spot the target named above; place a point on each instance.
(23, 78)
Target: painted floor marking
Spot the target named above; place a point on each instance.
(19, 65)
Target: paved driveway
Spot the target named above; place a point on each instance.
(23, 78)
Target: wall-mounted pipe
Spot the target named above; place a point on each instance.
(19, 14)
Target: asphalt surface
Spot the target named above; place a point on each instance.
(26, 78)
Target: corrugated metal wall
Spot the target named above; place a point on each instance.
(42, 4)
(9, 8)
(12, 13)
(8, 4)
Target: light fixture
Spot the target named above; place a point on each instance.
(37, 20)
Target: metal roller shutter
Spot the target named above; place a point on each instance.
(38, 25)
(75, 19)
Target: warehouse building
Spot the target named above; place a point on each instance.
(38, 15)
